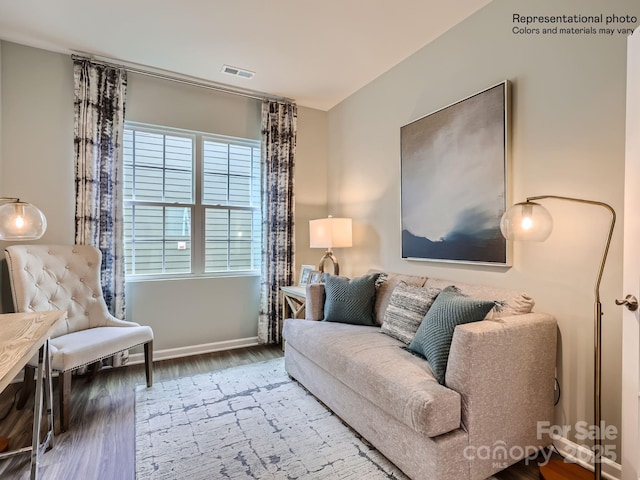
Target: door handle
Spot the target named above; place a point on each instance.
(630, 302)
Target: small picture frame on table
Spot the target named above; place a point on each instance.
(315, 276)
(305, 274)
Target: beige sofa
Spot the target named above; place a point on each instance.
(499, 384)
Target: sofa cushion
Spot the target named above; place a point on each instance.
(407, 307)
(379, 369)
(508, 302)
(433, 338)
(386, 285)
(350, 301)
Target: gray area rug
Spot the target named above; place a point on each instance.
(244, 423)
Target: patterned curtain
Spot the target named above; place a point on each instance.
(99, 123)
(278, 152)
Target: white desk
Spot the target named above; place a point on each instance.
(23, 335)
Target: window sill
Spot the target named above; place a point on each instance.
(187, 276)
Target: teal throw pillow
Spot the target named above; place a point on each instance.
(350, 301)
(433, 338)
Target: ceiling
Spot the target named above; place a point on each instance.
(317, 53)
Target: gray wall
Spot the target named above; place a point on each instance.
(568, 139)
(0, 125)
(37, 130)
(37, 164)
(312, 180)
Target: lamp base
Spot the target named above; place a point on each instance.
(560, 470)
(328, 255)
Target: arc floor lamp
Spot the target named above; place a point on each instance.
(19, 221)
(530, 221)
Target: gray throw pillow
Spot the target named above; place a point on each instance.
(434, 335)
(407, 307)
(350, 301)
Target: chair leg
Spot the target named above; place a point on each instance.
(64, 392)
(27, 386)
(148, 362)
(92, 370)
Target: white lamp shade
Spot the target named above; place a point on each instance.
(21, 221)
(526, 221)
(330, 233)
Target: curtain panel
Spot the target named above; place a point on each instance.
(99, 103)
(278, 156)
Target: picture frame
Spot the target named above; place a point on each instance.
(305, 273)
(315, 276)
(454, 181)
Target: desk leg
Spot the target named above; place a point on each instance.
(37, 412)
(44, 394)
(48, 441)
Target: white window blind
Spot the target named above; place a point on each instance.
(192, 202)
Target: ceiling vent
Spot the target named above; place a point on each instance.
(237, 72)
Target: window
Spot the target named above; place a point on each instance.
(191, 202)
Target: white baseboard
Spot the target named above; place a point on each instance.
(169, 353)
(584, 457)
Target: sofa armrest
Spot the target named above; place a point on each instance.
(504, 372)
(314, 307)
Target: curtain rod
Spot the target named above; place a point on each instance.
(186, 80)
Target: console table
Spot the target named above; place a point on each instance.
(294, 302)
(23, 335)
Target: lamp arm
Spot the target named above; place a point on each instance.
(611, 227)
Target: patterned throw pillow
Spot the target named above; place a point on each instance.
(407, 307)
(350, 301)
(508, 302)
(387, 284)
(433, 338)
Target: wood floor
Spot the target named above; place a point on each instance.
(100, 443)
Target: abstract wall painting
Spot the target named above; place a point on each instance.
(454, 166)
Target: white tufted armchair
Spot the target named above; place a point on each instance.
(67, 277)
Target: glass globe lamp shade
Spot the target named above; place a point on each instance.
(526, 221)
(21, 221)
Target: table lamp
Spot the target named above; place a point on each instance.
(530, 221)
(330, 233)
